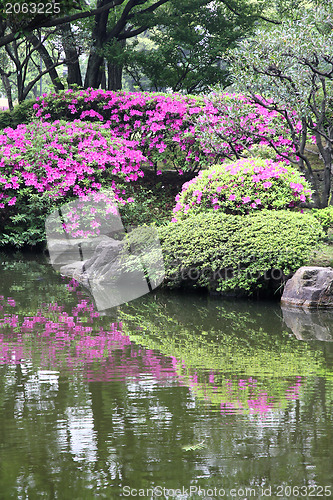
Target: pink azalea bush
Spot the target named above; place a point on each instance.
(110, 138)
(186, 133)
(241, 187)
(43, 165)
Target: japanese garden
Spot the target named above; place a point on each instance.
(166, 234)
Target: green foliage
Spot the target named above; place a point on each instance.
(288, 69)
(239, 254)
(24, 225)
(325, 217)
(5, 119)
(151, 205)
(289, 63)
(184, 45)
(22, 113)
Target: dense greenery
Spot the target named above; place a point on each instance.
(238, 254)
(196, 32)
(184, 51)
(325, 217)
(22, 113)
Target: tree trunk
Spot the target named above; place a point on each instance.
(103, 80)
(73, 65)
(94, 71)
(115, 73)
(8, 89)
(327, 195)
(115, 70)
(95, 65)
(44, 54)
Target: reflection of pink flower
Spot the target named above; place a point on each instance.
(261, 404)
(71, 340)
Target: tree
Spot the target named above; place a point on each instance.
(22, 60)
(185, 50)
(190, 26)
(14, 24)
(130, 18)
(289, 70)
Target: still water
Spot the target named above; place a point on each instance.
(170, 396)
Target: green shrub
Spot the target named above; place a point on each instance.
(325, 217)
(244, 186)
(240, 254)
(22, 113)
(5, 119)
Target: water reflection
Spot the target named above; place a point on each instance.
(171, 390)
(54, 339)
(308, 324)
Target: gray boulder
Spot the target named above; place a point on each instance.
(310, 287)
(104, 263)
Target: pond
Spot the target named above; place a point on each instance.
(168, 396)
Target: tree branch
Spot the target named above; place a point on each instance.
(41, 21)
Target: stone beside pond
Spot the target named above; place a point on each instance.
(310, 287)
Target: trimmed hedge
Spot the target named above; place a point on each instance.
(239, 254)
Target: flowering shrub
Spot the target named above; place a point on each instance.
(241, 187)
(161, 123)
(185, 132)
(44, 165)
